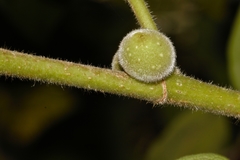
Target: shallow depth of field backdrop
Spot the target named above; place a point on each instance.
(40, 121)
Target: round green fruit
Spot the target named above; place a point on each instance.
(146, 55)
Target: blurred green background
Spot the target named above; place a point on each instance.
(41, 121)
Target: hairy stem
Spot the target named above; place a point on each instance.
(15, 64)
(142, 14)
(179, 89)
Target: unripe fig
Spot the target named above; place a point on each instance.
(146, 55)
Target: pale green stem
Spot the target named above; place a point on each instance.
(142, 14)
(15, 64)
(179, 90)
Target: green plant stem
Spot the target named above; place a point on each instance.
(180, 90)
(15, 64)
(142, 14)
(197, 95)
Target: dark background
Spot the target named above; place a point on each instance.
(42, 121)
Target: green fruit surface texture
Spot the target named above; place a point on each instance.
(146, 55)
